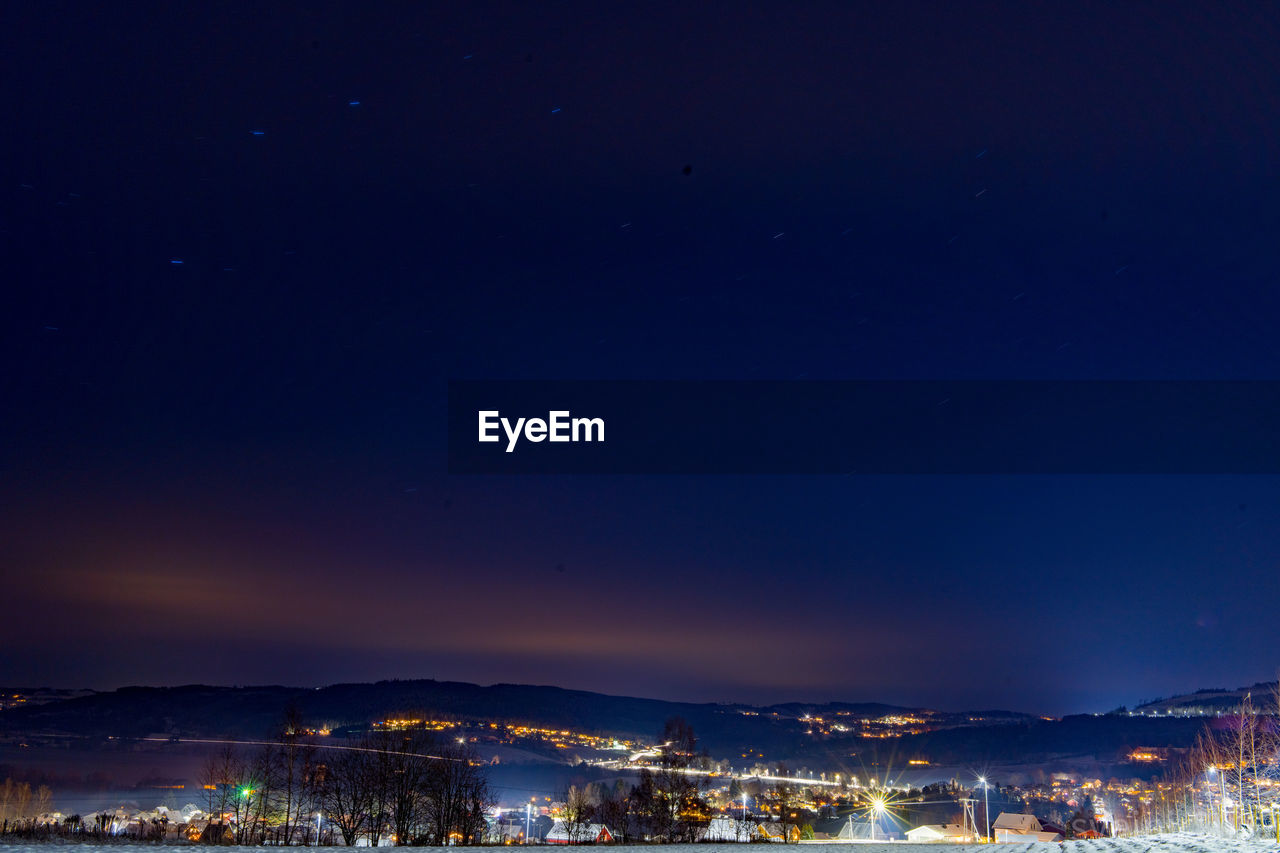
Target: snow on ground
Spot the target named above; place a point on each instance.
(1172, 843)
(1140, 844)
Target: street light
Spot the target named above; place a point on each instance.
(528, 816)
(744, 807)
(877, 809)
(1208, 816)
(1222, 789)
(986, 803)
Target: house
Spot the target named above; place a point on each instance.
(952, 832)
(776, 832)
(1021, 827)
(728, 829)
(588, 833)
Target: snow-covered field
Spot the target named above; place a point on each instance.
(1141, 844)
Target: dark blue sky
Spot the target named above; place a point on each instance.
(231, 468)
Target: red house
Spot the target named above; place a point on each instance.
(591, 833)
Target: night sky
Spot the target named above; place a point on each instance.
(242, 250)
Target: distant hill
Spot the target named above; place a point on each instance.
(832, 736)
(1213, 700)
(250, 712)
(779, 732)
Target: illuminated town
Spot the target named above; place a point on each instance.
(747, 797)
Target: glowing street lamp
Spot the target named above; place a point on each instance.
(877, 809)
(986, 803)
(1222, 790)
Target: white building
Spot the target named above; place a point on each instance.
(729, 829)
(951, 832)
(1021, 827)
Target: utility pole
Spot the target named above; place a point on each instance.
(986, 803)
(1222, 789)
(970, 822)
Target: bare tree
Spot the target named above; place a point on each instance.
(575, 816)
(220, 779)
(292, 759)
(670, 796)
(7, 793)
(1239, 749)
(407, 767)
(1269, 751)
(610, 805)
(785, 795)
(22, 801)
(1234, 756)
(44, 800)
(477, 800)
(344, 794)
(457, 798)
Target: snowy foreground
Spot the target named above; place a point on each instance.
(1141, 844)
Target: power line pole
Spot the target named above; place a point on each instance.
(970, 822)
